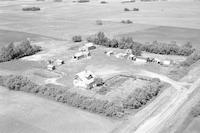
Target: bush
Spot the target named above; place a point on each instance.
(124, 43)
(99, 22)
(135, 9)
(57, 0)
(126, 21)
(12, 51)
(126, 9)
(104, 2)
(141, 96)
(76, 38)
(83, 1)
(168, 49)
(31, 9)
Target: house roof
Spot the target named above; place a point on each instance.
(85, 74)
(78, 54)
(131, 55)
(142, 58)
(89, 44)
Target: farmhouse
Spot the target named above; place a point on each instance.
(81, 55)
(84, 79)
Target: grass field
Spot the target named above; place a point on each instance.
(22, 113)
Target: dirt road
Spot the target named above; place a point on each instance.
(161, 111)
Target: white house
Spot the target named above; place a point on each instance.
(84, 79)
(81, 55)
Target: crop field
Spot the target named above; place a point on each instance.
(26, 113)
(52, 28)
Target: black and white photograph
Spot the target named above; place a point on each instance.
(99, 66)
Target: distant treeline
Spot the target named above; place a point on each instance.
(128, 43)
(64, 95)
(17, 51)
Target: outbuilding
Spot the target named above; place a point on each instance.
(140, 59)
(51, 67)
(59, 62)
(121, 55)
(90, 46)
(81, 55)
(109, 53)
(131, 57)
(166, 62)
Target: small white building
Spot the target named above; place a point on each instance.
(158, 61)
(51, 67)
(109, 53)
(166, 62)
(131, 57)
(84, 79)
(81, 55)
(141, 59)
(59, 62)
(90, 46)
(87, 47)
(121, 55)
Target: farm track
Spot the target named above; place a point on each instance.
(162, 110)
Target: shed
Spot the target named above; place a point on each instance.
(141, 59)
(81, 55)
(166, 62)
(109, 53)
(90, 46)
(157, 61)
(59, 62)
(131, 57)
(51, 67)
(120, 55)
